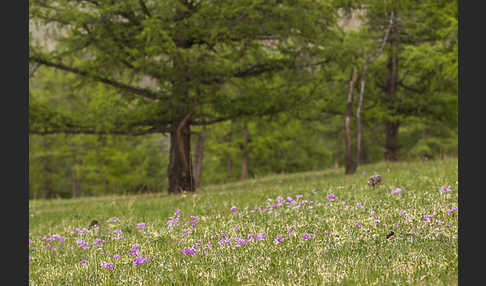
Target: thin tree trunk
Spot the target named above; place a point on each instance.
(198, 160)
(75, 182)
(229, 160)
(180, 172)
(391, 126)
(362, 89)
(350, 166)
(244, 149)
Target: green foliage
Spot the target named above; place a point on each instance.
(281, 66)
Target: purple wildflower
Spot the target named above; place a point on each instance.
(141, 225)
(113, 219)
(396, 191)
(116, 256)
(299, 196)
(233, 208)
(107, 265)
(359, 205)
(237, 228)
(331, 197)
(83, 261)
(372, 213)
(277, 240)
(428, 217)
(445, 190)
(240, 241)
(188, 251)
(133, 250)
(139, 260)
(451, 210)
(358, 224)
(261, 236)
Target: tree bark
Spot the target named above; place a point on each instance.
(350, 165)
(180, 172)
(198, 162)
(244, 149)
(391, 126)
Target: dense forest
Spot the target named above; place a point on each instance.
(154, 96)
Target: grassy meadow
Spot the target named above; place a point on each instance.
(313, 228)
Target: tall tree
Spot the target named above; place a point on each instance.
(193, 54)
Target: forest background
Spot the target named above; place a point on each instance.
(257, 87)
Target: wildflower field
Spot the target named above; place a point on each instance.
(314, 228)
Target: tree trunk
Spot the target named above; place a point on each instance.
(244, 149)
(362, 89)
(180, 172)
(198, 164)
(391, 141)
(350, 165)
(392, 126)
(229, 160)
(75, 183)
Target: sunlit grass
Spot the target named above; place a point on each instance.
(238, 233)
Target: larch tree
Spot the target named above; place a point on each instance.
(180, 63)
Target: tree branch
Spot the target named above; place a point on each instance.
(94, 131)
(135, 90)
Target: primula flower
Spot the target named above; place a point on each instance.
(306, 236)
(133, 250)
(107, 265)
(236, 229)
(139, 260)
(141, 225)
(396, 191)
(428, 217)
(178, 212)
(188, 251)
(261, 236)
(113, 219)
(240, 241)
(451, 210)
(359, 205)
(445, 190)
(358, 224)
(372, 213)
(298, 196)
(83, 261)
(331, 197)
(233, 208)
(277, 240)
(116, 256)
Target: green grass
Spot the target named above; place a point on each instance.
(419, 252)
